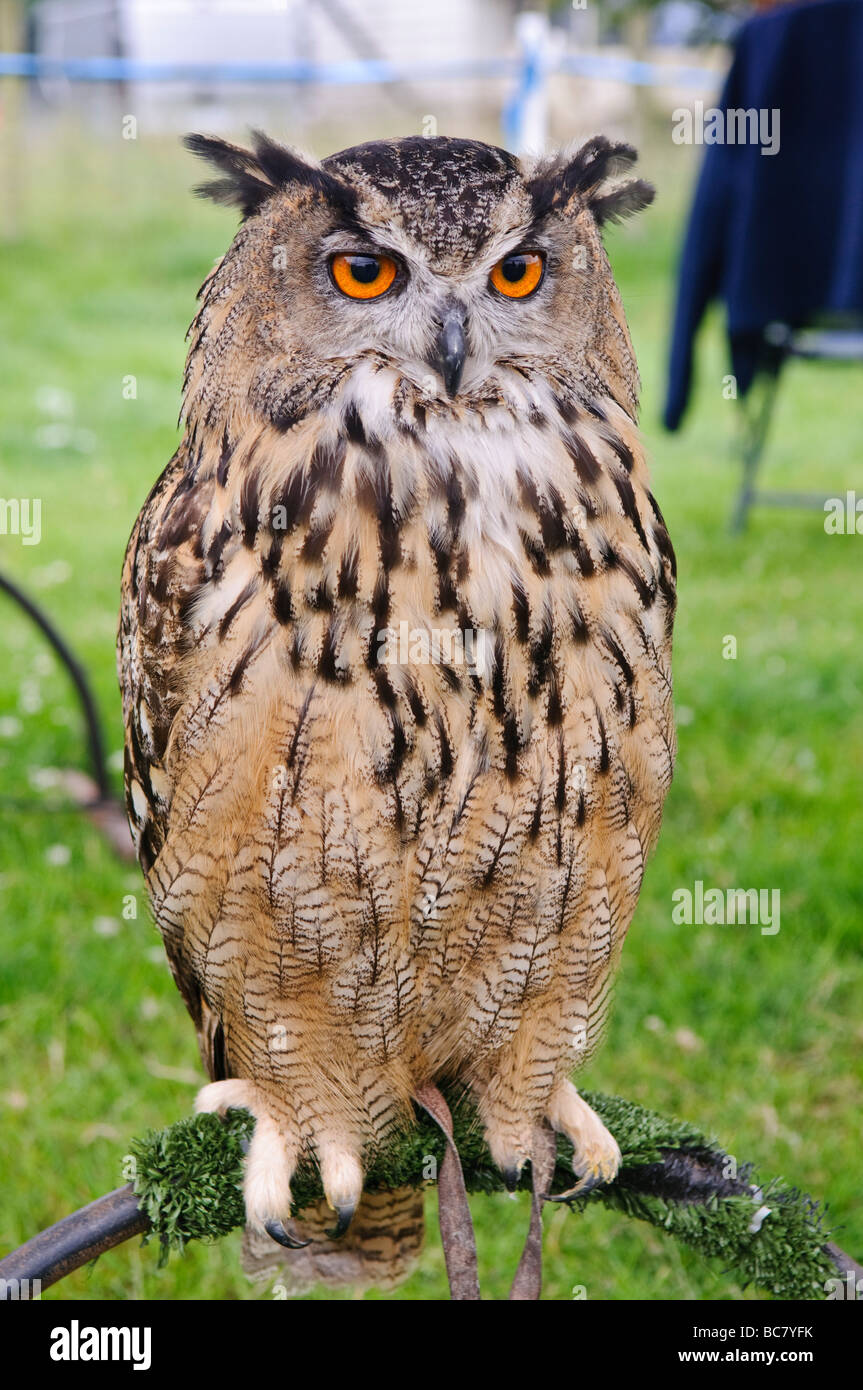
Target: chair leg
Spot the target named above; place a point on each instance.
(755, 424)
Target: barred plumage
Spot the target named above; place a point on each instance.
(374, 862)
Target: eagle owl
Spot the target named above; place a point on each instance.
(395, 659)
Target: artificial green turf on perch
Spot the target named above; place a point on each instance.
(188, 1183)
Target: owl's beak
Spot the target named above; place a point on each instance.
(450, 348)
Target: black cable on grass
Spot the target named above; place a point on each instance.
(95, 742)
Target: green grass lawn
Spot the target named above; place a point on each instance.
(757, 1038)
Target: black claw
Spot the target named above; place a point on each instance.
(574, 1195)
(344, 1217)
(591, 1184)
(276, 1230)
(510, 1177)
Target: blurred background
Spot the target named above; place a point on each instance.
(756, 1038)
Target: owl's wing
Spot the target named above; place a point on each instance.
(162, 573)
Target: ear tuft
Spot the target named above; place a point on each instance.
(583, 175)
(253, 176)
(597, 160)
(622, 201)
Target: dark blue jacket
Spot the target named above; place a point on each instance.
(779, 237)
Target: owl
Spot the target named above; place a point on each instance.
(395, 652)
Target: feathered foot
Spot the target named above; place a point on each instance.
(272, 1159)
(596, 1156)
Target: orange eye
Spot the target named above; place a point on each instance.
(518, 275)
(363, 277)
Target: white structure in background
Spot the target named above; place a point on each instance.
(530, 133)
(408, 32)
(405, 33)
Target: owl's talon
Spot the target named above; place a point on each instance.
(581, 1189)
(276, 1231)
(510, 1153)
(342, 1178)
(511, 1175)
(344, 1215)
(595, 1153)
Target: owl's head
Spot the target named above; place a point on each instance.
(417, 273)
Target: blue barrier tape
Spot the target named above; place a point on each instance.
(636, 73)
(603, 68)
(335, 74)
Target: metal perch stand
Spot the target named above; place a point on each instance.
(671, 1176)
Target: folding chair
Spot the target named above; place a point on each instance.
(842, 343)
